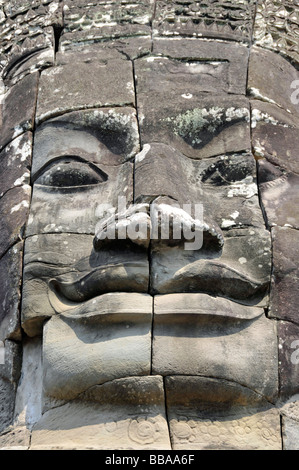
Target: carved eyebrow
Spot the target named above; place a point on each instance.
(68, 159)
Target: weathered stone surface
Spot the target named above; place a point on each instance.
(290, 434)
(65, 250)
(15, 163)
(81, 155)
(235, 257)
(63, 209)
(9, 375)
(105, 340)
(72, 272)
(10, 371)
(93, 85)
(290, 423)
(218, 345)
(196, 136)
(181, 306)
(7, 402)
(79, 15)
(18, 109)
(273, 90)
(15, 438)
(275, 135)
(27, 37)
(216, 19)
(207, 182)
(276, 26)
(288, 334)
(87, 53)
(284, 283)
(231, 249)
(123, 48)
(29, 396)
(240, 271)
(10, 294)
(225, 61)
(38, 52)
(126, 47)
(15, 7)
(107, 136)
(279, 195)
(123, 36)
(290, 408)
(2, 352)
(14, 208)
(177, 106)
(213, 414)
(98, 21)
(125, 414)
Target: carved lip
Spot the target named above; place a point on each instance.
(122, 306)
(181, 307)
(211, 278)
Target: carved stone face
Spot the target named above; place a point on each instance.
(117, 309)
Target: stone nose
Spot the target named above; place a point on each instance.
(162, 178)
(165, 209)
(160, 171)
(162, 221)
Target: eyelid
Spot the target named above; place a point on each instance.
(228, 173)
(80, 170)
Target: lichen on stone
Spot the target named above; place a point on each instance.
(192, 123)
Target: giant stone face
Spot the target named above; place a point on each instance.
(111, 309)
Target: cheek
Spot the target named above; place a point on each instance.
(250, 252)
(55, 212)
(46, 257)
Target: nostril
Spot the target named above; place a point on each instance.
(117, 246)
(212, 242)
(213, 238)
(186, 224)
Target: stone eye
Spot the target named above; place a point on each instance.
(71, 174)
(227, 171)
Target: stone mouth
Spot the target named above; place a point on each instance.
(118, 335)
(174, 308)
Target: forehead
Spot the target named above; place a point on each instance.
(186, 101)
(185, 93)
